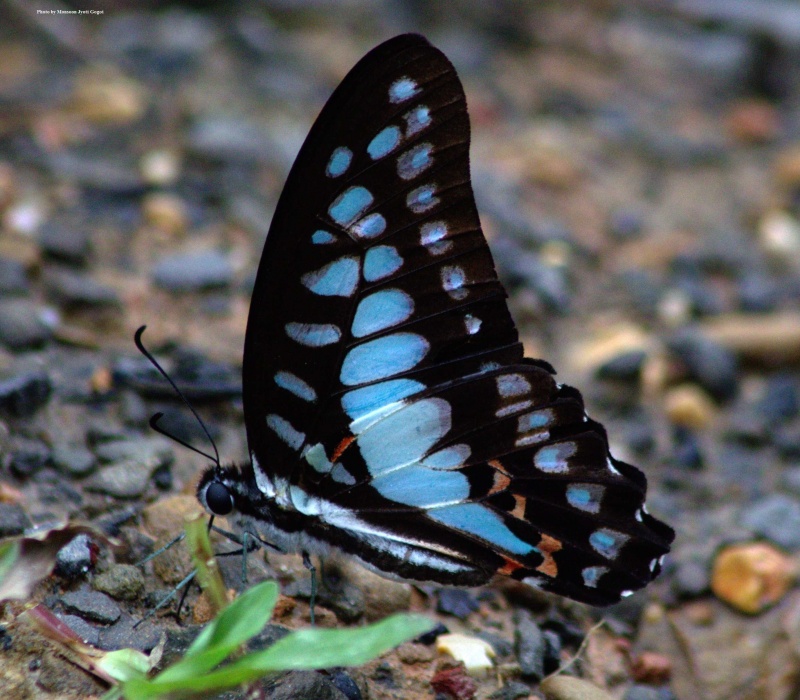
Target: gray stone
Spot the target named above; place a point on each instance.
(776, 517)
(531, 646)
(25, 324)
(92, 605)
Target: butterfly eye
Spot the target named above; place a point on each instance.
(219, 499)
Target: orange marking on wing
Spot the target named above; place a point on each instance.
(343, 445)
(548, 546)
(519, 509)
(501, 482)
(509, 567)
(501, 477)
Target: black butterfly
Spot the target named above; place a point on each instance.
(390, 412)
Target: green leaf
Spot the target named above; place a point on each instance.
(244, 618)
(9, 553)
(304, 649)
(125, 664)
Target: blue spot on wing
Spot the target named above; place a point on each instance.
(361, 402)
(349, 205)
(338, 278)
(381, 310)
(384, 143)
(381, 261)
(382, 358)
(423, 488)
(478, 520)
(404, 436)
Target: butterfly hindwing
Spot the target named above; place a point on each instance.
(387, 402)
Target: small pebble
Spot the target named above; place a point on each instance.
(74, 290)
(27, 457)
(511, 690)
(689, 406)
(569, 688)
(709, 363)
(775, 517)
(121, 581)
(66, 240)
(530, 646)
(92, 605)
(123, 635)
(458, 602)
(25, 324)
(186, 272)
(88, 633)
(454, 683)
(75, 559)
(13, 277)
(73, 461)
(751, 577)
(165, 212)
(651, 667)
(25, 393)
(13, 520)
(127, 479)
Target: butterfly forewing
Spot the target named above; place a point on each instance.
(385, 392)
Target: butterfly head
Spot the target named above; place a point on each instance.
(222, 490)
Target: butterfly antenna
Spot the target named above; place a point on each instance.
(137, 338)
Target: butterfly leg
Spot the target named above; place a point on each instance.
(312, 569)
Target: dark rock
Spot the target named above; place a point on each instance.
(624, 367)
(302, 684)
(123, 635)
(758, 293)
(775, 517)
(121, 581)
(710, 364)
(13, 277)
(502, 647)
(13, 520)
(686, 451)
(458, 602)
(25, 324)
(21, 396)
(267, 637)
(511, 690)
(65, 240)
(781, 400)
(162, 477)
(552, 655)
(345, 683)
(92, 605)
(27, 457)
(430, 637)
(75, 559)
(178, 641)
(88, 633)
(530, 645)
(75, 290)
(73, 461)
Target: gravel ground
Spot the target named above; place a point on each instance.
(637, 169)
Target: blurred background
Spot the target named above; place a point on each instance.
(637, 169)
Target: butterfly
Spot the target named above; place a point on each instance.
(390, 412)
